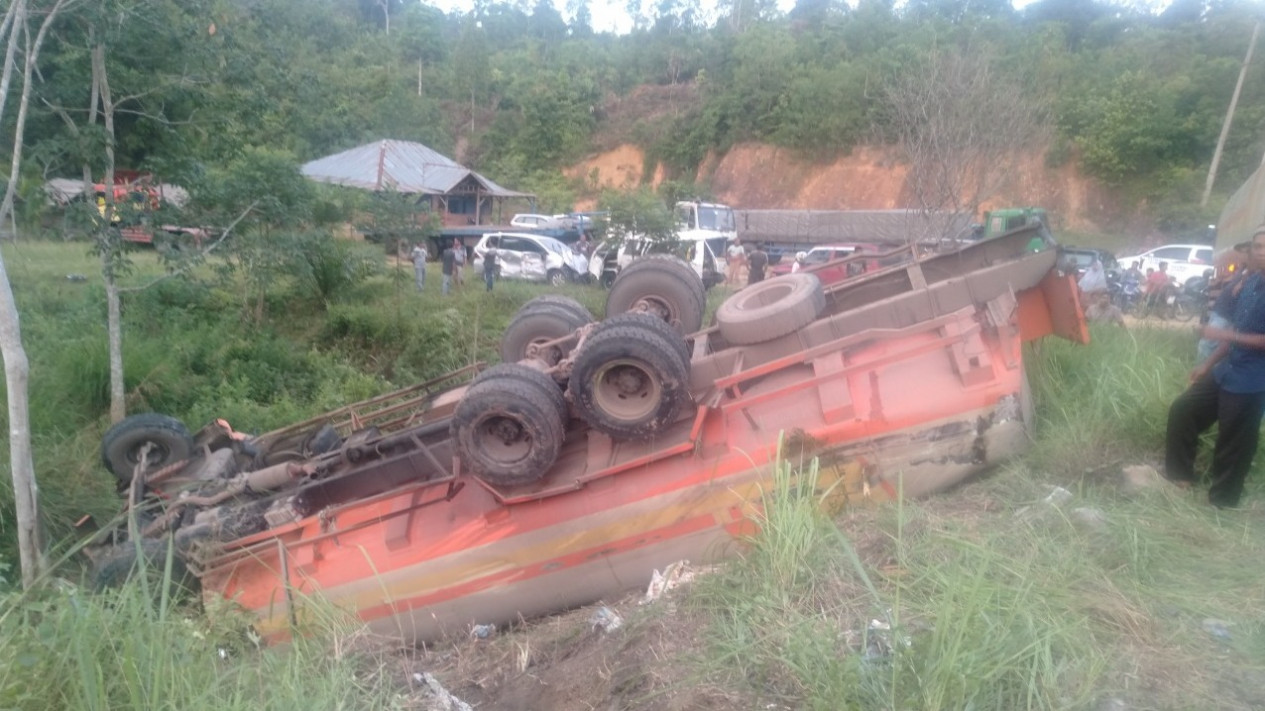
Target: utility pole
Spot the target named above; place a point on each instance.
(1229, 117)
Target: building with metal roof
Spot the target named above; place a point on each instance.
(458, 194)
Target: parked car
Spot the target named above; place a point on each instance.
(524, 219)
(1184, 260)
(1076, 260)
(824, 261)
(532, 257)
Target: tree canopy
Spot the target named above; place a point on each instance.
(517, 90)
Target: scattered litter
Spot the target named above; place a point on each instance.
(605, 619)
(482, 631)
(76, 277)
(1091, 518)
(1138, 477)
(672, 577)
(1219, 629)
(1113, 704)
(444, 700)
(1057, 497)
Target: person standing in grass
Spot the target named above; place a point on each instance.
(419, 257)
(447, 264)
(1227, 389)
(489, 262)
(756, 262)
(459, 257)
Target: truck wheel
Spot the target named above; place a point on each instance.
(643, 320)
(121, 562)
(541, 324)
(566, 303)
(556, 277)
(675, 265)
(659, 291)
(771, 308)
(528, 374)
(507, 429)
(122, 444)
(629, 382)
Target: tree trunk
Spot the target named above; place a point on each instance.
(16, 365)
(114, 326)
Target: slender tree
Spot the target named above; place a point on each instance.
(14, 31)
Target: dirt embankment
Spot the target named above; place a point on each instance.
(760, 176)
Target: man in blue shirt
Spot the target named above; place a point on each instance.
(1227, 389)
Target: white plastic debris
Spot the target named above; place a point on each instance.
(1056, 498)
(482, 631)
(672, 577)
(605, 619)
(443, 699)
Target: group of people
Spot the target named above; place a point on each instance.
(452, 262)
(1154, 286)
(737, 258)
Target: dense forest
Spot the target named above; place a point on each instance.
(517, 90)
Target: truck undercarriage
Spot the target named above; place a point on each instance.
(599, 451)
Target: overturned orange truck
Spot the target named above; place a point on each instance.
(599, 450)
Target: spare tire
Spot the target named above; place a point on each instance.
(629, 382)
(660, 289)
(771, 309)
(122, 444)
(508, 428)
(539, 324)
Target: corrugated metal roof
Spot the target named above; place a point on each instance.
(401, 166)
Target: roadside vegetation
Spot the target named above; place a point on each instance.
(986, 597)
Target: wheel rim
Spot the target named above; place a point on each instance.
(158, 454)
(627, 390)
(558, 279)
(657, 307)
(502, 440)
(546, 355)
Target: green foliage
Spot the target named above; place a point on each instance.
(637, 212)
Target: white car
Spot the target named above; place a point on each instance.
(525, 219)
(609, 258)
(1185, 261)
(531, 257)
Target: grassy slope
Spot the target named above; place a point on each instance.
(991, 609)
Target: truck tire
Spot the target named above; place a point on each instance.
(122, 444)
(770, 309)
(507, 429)
(525, 373)
(566, 303)
(644, 320)
(677, 266)
(629, 382)
(540, 324)
(661, 290)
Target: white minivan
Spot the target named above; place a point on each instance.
(612, 256)
(1184, 260)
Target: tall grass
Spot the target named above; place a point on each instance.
(961, 602)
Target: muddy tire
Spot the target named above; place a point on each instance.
(509, 427)
(124, 561)
(771, 309)
(540, 324)
(643, 320)
(629, 382)
(660, 287)
(122, 444)
(566, 303)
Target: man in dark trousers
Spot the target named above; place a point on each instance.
(1227, 389)
(448, 265)
(756, 262)
(489, 261)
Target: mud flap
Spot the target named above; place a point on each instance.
(1052, 307)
